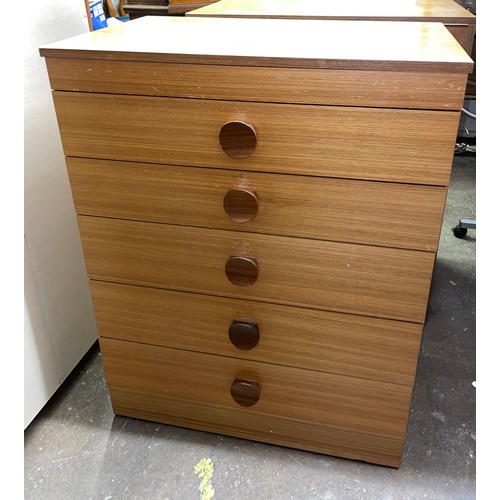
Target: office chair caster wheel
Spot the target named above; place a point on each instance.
(459, 232)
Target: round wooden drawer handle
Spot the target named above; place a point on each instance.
(242, 271)
(238, 139)
(241, 205)
(244, 335)
(245, 392)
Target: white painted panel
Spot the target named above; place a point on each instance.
(61, 294)
(41, 373)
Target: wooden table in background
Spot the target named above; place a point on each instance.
(459, 21)
(140, 8)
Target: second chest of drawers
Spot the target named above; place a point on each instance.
(250, 223)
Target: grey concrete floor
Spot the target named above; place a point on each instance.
(76, 448)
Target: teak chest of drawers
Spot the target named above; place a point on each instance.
(260, 218)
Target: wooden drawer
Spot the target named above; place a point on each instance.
(329, 413)
(387, 89)
(386, 214)
(410, 146)
(362, 347)
(359, 279)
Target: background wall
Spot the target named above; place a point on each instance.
(59, 324)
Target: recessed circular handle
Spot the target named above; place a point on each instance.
(242, 271)
(244, 335)
(241, 205)
(245, 392)
(238, 139)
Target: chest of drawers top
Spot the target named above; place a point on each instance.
(279, 43)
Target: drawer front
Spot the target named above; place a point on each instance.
(360, 279)
(341, 415)
(386, 89)
(369, 348)
(311, 207)
(411, 146)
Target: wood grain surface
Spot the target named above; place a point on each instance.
(176, 7)
(330, 44)
(411, 146)
(359, 279)
(464, 34)
(321, 208)
(238, 139)
(445, 11)
(459, 21)
(245, 391)
(261, 84)
(241, 270)
(194, 387)
(274, 429)
(351, 345)
(290, 310)
(241, 205)
(244, 334)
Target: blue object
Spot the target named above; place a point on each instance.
(97, 15)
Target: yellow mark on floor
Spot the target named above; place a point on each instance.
(205, 470)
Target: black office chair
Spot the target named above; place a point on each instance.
(460, 230)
